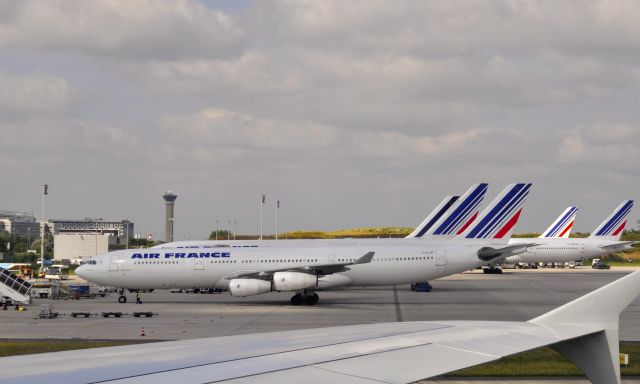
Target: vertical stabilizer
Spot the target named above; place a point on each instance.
(499, 218)
(461, 214)
(595, 354)
(561, 228)
(434, 216)
(612, 227)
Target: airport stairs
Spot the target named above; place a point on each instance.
(13, 287)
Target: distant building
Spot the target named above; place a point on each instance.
(118, 230)
(80, 246)
(19, 223)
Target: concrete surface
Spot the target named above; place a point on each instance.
(515, 295)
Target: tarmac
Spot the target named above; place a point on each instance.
(516, 295)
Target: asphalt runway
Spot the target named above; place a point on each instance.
(514, 295)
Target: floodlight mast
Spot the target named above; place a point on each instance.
(45, 191)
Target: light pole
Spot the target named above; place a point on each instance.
(96, 232)
(235, 229)
(217, 222)
(45, 191)
(262, 202)
(229, 231)
(277, 209)
(127, 232)
(28, 238)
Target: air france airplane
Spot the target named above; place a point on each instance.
(604, 240)
(246, 271)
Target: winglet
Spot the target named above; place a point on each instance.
(365, 259)
(601, 309)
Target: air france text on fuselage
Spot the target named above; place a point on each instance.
(180, 255)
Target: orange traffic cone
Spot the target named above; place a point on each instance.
(142, 333)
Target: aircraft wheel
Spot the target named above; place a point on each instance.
(310, 300)
(296, 299)
(316, 298)
(122, 299)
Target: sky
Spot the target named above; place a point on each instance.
(352, 114)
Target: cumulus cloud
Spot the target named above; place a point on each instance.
(125, 29)
(354, 103)
(33, 93)
(611, 143)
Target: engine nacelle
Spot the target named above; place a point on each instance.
(293, 281)
(248, 287)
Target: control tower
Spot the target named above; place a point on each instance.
(169, 200)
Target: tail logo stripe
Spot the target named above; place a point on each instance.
(463, 210)
(437, 216)
(494, 211)
(505, 206)
(561, 222)
(506, 213)
(451, 226)
(568, 228)
(616, 219)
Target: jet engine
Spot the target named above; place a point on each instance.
(248, 287)
(293, 281)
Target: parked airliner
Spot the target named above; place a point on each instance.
(246, 271)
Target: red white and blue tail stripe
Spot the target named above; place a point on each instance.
(461, 215)
(561, 228)
(500, 217)
(612, 227)
(433, 217)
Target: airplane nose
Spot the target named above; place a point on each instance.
(82, 271)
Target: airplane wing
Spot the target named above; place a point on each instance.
(585, 330)
(618, 246)
(318, 269)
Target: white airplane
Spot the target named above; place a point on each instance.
(604, 240)
(453, 215)
(245, 271)
(584, 330)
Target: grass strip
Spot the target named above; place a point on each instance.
(26, 347)
(544, 362)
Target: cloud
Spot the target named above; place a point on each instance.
(33, 93)
(136, 29)
(609, 143)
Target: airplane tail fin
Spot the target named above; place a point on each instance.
(498, 219)
(600, 310)
(461, 214)
(434, 216)
(612, 227)
(561, 228)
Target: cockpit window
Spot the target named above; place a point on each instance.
(91, 262)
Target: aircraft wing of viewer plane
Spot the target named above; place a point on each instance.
(584, 330)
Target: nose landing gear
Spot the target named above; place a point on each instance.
(307, 298)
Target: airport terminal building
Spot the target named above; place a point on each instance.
(19, 223)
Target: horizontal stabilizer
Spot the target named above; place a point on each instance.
(496, 254)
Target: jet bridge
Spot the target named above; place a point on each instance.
(13, 287)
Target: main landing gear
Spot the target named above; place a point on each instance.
(122, 298)
(306, 297)
(492, 270)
